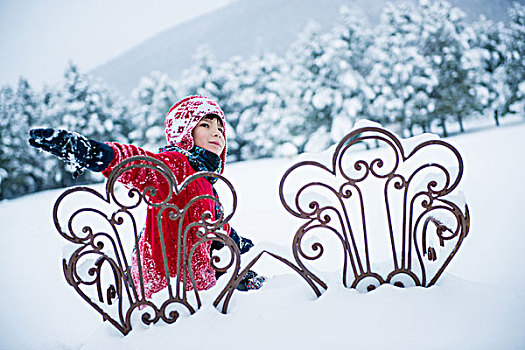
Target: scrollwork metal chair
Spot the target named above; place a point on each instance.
(105, 235)
(407, 196)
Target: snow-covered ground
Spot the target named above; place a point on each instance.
(479, 303)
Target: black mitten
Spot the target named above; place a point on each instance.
(251, 280)
(73, 148)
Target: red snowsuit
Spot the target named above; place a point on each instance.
(149, 244)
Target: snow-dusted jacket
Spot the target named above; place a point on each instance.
(149, 244)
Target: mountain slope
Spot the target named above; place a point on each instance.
(244, 27)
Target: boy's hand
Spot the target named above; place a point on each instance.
(73, 148)
(251, 280)
(55, 141)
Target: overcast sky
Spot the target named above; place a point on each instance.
(39, 37)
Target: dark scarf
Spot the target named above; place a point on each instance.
(200, 159)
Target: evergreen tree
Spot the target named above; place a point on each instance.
(316, 96)
(237, 83)
(488, 50)
(202, 78)
(515, 65)
(6, 114)
(346, 63)
(81, 104)
(401, 76)
(303, 60)
(152, 99)
(355, 38)
(217, 81)
(225, 82)
(258, 107)
(19, 170)
(445, 43)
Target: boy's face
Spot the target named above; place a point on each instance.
(209, 134)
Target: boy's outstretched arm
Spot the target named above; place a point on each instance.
(82, 152)
(72, 148)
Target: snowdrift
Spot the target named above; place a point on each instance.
(477, 304)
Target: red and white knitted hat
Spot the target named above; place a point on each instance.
(185, 115)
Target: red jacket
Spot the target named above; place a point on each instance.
(149, 244)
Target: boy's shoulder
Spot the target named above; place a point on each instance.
(174, 155)
(176, 160)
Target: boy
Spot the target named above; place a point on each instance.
(195, 132)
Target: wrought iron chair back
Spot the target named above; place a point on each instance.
(409, 192)
(98, 268)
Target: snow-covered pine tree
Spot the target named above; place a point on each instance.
(346, 62)
(259, 105)
(19, 170)
(488, 49)
(204, 77)
(317, 95)
(401, 76)
(242, 87)
(303, 60)
(6, 120)
(226, 81)
(6, 105)
(445, 43)
(356, 36)
(152, 99)
(237, 84)
(221, 82)
(81, 104)
(515, 65)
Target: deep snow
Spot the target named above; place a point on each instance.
(479, 303)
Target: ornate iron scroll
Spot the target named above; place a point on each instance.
(104, 237)
(393, 213)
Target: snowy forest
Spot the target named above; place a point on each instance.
(421, 68)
